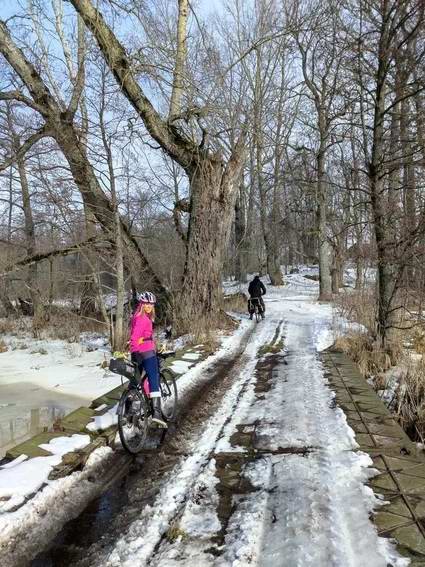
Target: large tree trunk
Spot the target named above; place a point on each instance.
(409, 186)
(385, 269)
(212, 202)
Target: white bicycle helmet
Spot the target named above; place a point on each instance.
(146, 297)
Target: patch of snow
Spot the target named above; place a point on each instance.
(15, 462)
(38, 520)
(180, 366)
(102, 422)
(200, 519)
(191, 356)
(25, 478)
(63, 445)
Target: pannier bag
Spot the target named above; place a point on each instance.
(122, 367)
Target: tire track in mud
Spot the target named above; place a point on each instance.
(84, 539)
(228, 466)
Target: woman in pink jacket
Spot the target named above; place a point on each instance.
(143, 350)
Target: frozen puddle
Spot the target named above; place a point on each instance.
(26, 409)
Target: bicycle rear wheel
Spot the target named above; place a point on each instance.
(169, 396)
(133, 420)
(257, 314)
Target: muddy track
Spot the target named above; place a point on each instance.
(81, 540)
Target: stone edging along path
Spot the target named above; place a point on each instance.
(401, 465)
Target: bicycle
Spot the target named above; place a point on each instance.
(255, 308)
(135, 405)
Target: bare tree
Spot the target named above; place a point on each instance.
(212, 177)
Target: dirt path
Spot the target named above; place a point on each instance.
(262, 468)
(107, 517)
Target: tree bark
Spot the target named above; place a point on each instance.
(31, 247)
(213, 197)
(241, 241)
(32, 279)
(385, 269)
(181, 54)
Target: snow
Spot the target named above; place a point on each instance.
(22, 478)
(15, 462)
(35, 388)
(191, 356)
(180, 366)
(62, 445)
(200, 518)
(67, 368)
(303, 509)
(25, 531)
(102, 422)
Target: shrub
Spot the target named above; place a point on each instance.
(367, 354)
(410, 399)
(236, 302)
(360, 307)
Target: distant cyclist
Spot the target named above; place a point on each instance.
(256, 290)
(143, 351)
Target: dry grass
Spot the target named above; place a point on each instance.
(369, 357)
(410, 400)
(7, 326)
(62, 324)
(67, 326)
(175, 532)
(408, 403)
(236, 302)
(3, 346)
(418, 340)
(15, 326)
(206, 335)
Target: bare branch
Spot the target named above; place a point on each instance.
(26, 146)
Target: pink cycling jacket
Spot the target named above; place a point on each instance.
(141, 327)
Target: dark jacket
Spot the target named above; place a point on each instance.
(256, 288)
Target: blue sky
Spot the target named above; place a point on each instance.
(10, 7)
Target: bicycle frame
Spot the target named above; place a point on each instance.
(141, 378)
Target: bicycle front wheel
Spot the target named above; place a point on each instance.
(168, 386)
(133, 420)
